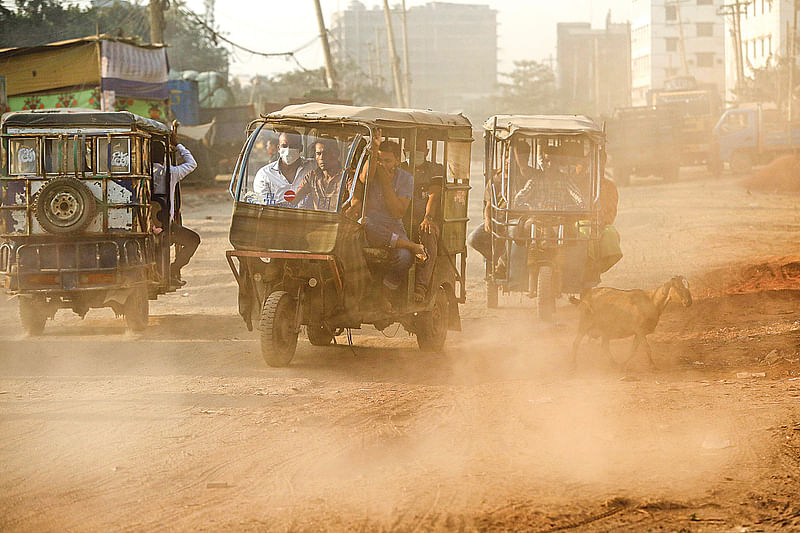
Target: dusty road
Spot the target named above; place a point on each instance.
(185, 428)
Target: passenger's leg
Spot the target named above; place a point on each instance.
(424, 271)
(186, 242)
(481, 241)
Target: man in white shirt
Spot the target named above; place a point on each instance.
(185, 240)
(273, 180)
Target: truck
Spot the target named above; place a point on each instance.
(644, 141)
(753, 134)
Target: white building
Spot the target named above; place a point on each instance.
(659, 27)
(765, 29)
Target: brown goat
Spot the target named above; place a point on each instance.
(616, 314)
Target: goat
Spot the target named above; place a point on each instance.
(616, 314)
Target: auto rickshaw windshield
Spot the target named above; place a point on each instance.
(308, 168)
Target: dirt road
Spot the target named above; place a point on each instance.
(185, 428)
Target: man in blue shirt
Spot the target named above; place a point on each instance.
(388, 195)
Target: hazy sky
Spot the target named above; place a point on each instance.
(526, 28)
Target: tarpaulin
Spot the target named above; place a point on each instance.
(128, 70)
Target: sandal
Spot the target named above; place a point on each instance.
(420, 293)
(422, 256)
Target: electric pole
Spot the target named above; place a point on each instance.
(398, 85)
(330, 75)
(680, 35)
(407, 78)
(735, 11)
(157, 24)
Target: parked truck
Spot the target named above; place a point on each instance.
(643, 141)
(753, 134)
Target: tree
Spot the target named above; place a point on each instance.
(769, 83)
(531, 89)
(37, 22)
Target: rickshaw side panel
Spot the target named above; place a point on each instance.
(264, 228)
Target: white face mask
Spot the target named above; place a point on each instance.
(290, 155)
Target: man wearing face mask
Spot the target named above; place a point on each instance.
(273, 180)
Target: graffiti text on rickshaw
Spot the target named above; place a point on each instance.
(26, 155)
(120, 159)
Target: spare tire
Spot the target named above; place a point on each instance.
(64, 205)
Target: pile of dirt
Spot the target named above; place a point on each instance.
(770, 274)
(781, 175)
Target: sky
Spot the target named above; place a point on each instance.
(526, 28)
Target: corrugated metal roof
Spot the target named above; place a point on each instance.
(508, 125)
(371, 115)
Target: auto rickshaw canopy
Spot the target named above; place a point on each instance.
(72, 118)
(505, 126)
(458, 125)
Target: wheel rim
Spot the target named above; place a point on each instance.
(64, 208)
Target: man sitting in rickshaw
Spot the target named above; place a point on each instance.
(319, 189)
(428, 177)
(389, 192)
(275, 179)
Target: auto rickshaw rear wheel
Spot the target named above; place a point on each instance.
(432, 325)
(492, 296)
(546, 291)
(278, 329)
(33, 315)
(319, 335)
(137, 310)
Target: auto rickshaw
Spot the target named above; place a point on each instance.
(542, 177)
(78, 214)
(301, 262)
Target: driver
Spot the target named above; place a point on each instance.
(275, 179)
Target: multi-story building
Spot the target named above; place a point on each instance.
(452, 50)
(672, 38)
(764, 36)
(594, 67)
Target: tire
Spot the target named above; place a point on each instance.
(432, 325)
(492, 295)
(319, 335)
(741, 162)
(64, 205)
(546, 300)
(277, 329)
(33, 316)
(137, 310)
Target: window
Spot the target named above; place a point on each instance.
(672, 44)
(705, 59)
(116, 156)
(60, 155)
(670, 13)
(705, 29)
(23, 156)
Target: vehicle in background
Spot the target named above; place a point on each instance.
(697, 109)
(542, 177)
(643, 141)
(79, 214)
(303, 262)
(754, 134)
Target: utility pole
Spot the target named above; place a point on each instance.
(407, 77)
(157, 24)
(735, 11)
(398, 86)
(330, 75)
(680, 35)
(792, 56)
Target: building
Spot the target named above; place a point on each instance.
(452, 51)
(676, 38)
(764, 36)
(594, 67)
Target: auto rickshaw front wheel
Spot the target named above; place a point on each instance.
(278, 329)
(33, 316)
(546, 293)
(137, 310)
(432, 325)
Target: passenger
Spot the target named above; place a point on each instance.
(428, 178)
(388, 194)
(273, 151)
(275, 179)
(319, 189)
(185, 240)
